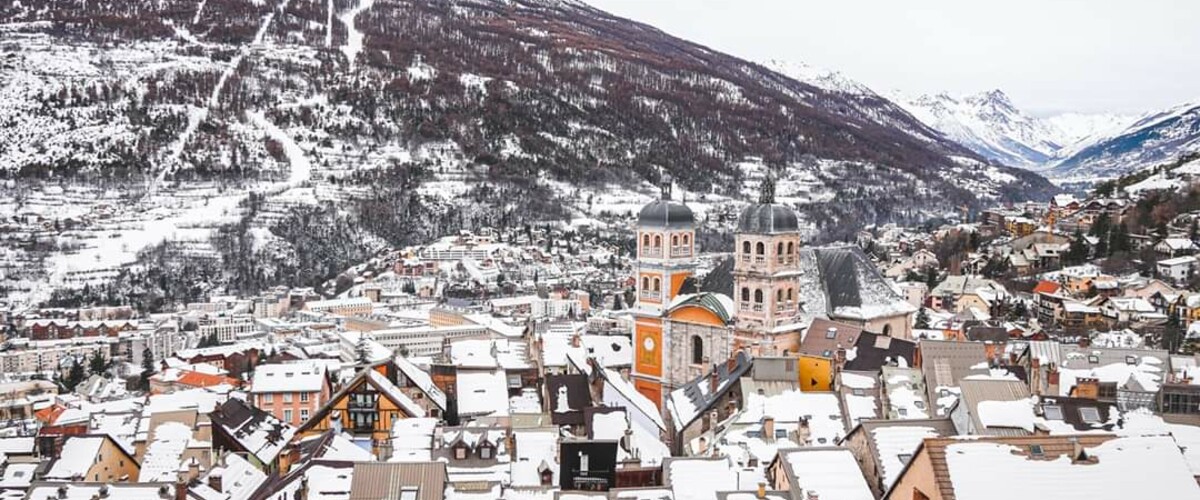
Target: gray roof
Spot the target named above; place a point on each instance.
(666, 214)
(768, 218)
(978, 391)
(842, 277)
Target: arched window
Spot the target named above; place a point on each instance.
(697, 350)
(746, 247)
(645, 284)
(758, 296)
(887, 330)
(745, 294)
(779, 295)
(645, 240)
(779, 250)
(657, 241)
(760, 249)
(657, 285)
(791, 248)
(675, 240)
(789, 295)
(686, 240)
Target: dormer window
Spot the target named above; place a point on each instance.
(460, 452)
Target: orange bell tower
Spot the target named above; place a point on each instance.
(666, 257)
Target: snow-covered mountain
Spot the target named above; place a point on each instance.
(278, 141)
(989, 124)
(1153, 139)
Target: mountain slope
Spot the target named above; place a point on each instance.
(1154, 139)
(989, 124)
(387, 122)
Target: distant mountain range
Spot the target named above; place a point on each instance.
(1068, 147)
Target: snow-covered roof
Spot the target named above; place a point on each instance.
(699, 478)
(288, 377)
(422, 380)
(896, 445)
(482, 393)
(164, 455)
(830, 473)
(490, 353)
(1130, 467)
(77, 456)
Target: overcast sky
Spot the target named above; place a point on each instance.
(1050, 56)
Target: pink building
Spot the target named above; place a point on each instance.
(290, 391)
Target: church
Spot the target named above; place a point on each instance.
(778, 288)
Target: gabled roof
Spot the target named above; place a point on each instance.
(367, 375)
(255, 430)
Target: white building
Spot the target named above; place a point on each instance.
(1177, 269)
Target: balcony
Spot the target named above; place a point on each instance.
(760, 259)
(652, 252)
(681, 252)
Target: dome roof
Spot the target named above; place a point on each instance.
(768, 218)
(666, 214)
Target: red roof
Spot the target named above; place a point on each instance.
(197, 379)
(1049, 287)
(49, 414)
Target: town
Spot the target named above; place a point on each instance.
(1033, 351)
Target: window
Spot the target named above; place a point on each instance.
(903, 412)
(268, 398)
(657, 241)
(1053, 412)
(1089, 414)
(1093, 359)
(514, 381)
(904, 457)
(675, 240)
(1036, 450)
(745, 294)
(485, 452)
(287, 416)
(304, 397)
(697, 350)
(791, 248)
(789, 294)
(831, 333)
(409, 493)
(304, 415)
(686, 240)
(657, 285)
(760, 248)
(887, 330)
(778, 295)
(460, 453)
(645, 284)
(858, 392)
(645, 240)
(779, 249)
(287, 397)
(758, 296)
(746, 247)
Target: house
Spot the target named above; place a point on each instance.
(1062, 467)
(861, 396)
(587, 465)
(819, 472)
(993, 408)
(366, 408)
(957, 293)
(699, 478)
(239, 427)
(698, 406)
(92, 457)
(883, 447)
(179, 379)
(1175, 247)
(292, 391)
(1177, 269)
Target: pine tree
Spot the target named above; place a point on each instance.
(922, 322)
(1077, 252)
(74, 376)
(98, 364)
(1173, 333)
(147, 369)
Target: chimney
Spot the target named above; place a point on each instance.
(762, 491)
(713, 380)
(181, 490)
(731, 364)
(214, 480)
(1085, 341)
(576, 340)
(62, 491)
(193, 469)
(803, 432)
(768, 429)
